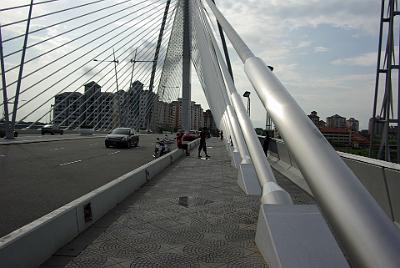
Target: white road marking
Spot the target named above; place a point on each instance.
(70, 163)
(59, 148)
(2, 155)
(116, 152)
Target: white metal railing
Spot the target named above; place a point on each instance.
(368, 235)
(231, 112)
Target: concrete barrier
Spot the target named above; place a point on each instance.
(380, 178)
(34, 243)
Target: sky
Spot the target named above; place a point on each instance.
(323, 51)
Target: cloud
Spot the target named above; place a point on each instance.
(355, 14)
(321, 49)
(367, 59)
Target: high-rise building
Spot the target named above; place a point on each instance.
(352, 124)
(136, 108)
(197, 116)
(106, 109)
(91, 103)
(315, 119)
(131, 105)
(176, 110)
(336, 121)
(67, 109)
(161, 116)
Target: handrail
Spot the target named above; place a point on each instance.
(272, 193)
(368, 235)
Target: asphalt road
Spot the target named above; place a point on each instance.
(37, 178)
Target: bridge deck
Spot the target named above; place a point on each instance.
(193, 215)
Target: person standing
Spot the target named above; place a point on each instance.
(203, 144)
(180, 144)
(266, 142)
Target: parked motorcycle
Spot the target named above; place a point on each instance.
(160, 148)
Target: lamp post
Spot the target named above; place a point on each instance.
(115, 66)
(133, 61)
(247, 95)
(115, 61)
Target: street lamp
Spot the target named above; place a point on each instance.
(115, 61)
(247, 95)
(133, 61)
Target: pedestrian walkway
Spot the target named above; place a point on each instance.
(193, 215)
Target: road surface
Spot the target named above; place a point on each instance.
(36, 178)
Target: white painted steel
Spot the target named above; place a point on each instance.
(272, 192)
(370, 238)
(351, 210)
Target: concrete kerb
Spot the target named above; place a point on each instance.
(34, 243)
(49, 140)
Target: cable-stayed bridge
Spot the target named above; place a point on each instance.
(104, 64)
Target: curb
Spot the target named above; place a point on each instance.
(35, 242)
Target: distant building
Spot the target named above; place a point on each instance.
(118, 109)
(340, 137)
(352, 124)
(344, 137)
(146, 102)
(197, 116)
(315, 119)
(175, 119)
(358, 140)
(197, 120)
(378, 127)
(336, 121)
(209, 122)
(91, 103)
(67, 109)
(106, 109)
(161, 117)
(135, 108)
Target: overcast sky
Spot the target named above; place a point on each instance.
(323, 51)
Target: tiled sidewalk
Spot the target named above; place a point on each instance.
(193, 215)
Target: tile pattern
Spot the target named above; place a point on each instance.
(193, 215)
